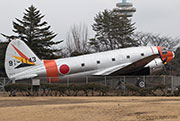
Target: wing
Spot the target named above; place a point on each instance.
(110, 70)
(127, 67)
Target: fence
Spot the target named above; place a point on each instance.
(3, 83)
(170, 82)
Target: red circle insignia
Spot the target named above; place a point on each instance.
(64, 69)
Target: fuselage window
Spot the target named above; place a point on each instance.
(113, 59)
(98, 62)
(164, 53)
(82, 64)
(142, 54)
(128, 57)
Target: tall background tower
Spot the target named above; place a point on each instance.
(125, 9)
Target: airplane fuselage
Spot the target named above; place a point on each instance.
(89, 65)
(22, 63)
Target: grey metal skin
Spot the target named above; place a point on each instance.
(128, 61)
(92, 68)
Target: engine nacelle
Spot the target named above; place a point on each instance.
(156, 66)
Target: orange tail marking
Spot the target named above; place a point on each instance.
(51, 70)
(20, 53)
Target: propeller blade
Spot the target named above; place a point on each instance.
(164, 61)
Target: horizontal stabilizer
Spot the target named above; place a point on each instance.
(24, 77)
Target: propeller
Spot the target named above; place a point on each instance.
(164, 62)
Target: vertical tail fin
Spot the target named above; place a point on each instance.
(19, 57)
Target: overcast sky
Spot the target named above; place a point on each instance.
(155, 16)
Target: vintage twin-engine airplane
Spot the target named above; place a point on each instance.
(21, 63)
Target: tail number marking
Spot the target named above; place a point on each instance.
(23, 60)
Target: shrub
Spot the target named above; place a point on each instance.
(177, 92)
(159, 87)
(134, 90)
(13, 88)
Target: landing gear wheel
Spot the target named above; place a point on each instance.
(141, 84)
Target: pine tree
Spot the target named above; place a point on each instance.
(3, 46)
(35, 33)
(112, 32)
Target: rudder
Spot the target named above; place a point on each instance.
(19, 57)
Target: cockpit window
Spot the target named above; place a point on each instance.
(164, 51)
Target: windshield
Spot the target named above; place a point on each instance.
(164, 51)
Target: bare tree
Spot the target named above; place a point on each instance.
(77, 39)
(157, 40)
(170, 43)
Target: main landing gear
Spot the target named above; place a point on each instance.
(141, 83)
